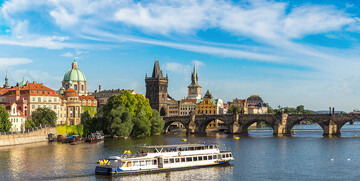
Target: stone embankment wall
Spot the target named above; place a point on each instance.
(39, 135)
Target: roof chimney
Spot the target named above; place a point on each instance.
(99, 88)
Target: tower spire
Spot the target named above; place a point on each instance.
(157, 73)
(6, 85)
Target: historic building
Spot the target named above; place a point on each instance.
(194, 89)
(173, 107)
(254, 100)
(186, 106)
(241, 103)
(208, 105)
(30, 96)
(75, 78)
(16, 117)
(156, 90)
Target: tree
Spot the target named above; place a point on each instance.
(44, 116)
(136, 105)
(157, 124)
(29, 124)
(234, 108)
(300, 109)
(120, 122)
(5, 124)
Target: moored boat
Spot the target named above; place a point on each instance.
(163, 158)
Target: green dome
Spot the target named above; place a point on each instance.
(74, 74)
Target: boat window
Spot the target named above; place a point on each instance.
(177, 160)
(166, 161)
(195, 158)
(206, 147)
(200, 158)
(227, 155)
(128, 164)
(171, 160)
(154, 162)
(136, 163)
(198, 148)
(191, 148)
(142, 163)
(210, 157)
(214, 157)
(230, 155)
(123, 164)
(205, 157)
(182, 159)
(188, 159)
(210, 147)
(215, 147)
(148, 162)
(223, 155)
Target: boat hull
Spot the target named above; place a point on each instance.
(109, 170)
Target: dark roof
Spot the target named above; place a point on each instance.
(157, 73)
(208, 95)
(194, 79)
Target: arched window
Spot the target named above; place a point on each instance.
(75, 86)
(82, 87)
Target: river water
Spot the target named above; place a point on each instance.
(307, 155)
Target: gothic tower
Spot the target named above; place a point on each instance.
(194, 89)
(156, 90)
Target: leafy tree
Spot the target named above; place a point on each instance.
(91, 125)
(234, 108)
(136, 105)
(300, 109)
(5, 124)
(29, 124)
(157, 124)
(142, 126)
(120, 122)
(44, 116)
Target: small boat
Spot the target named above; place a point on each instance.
(164, 158)
(51, 137)
(95, 137)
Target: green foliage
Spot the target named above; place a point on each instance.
(142, 126)
(91, 124)
(120, 122)
(291, 110)
(29, 124)
(157, 124)
(5, 124)
(234, 108)
(90, 109)
(135, 104)
(44, 116)
(70, 130)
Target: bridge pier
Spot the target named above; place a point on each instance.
(281, 128)
(192, 125)
(331, 129)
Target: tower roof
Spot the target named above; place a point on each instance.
(74, 74)
(157, 73)
(194, 79)
(208, 95)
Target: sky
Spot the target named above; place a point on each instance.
(289, 52)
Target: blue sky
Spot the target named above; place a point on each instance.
(288, 52)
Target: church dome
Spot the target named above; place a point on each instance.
(74, 74)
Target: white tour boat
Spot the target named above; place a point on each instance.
(164, 157)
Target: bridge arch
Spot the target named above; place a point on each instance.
(322, 120)
(247, 122)
(203, 125)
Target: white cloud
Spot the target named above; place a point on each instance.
(14, 61)
(198, 63)
(177, 67)
(67, 54)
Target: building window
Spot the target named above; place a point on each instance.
(55, 107)
(33, 98)
(38, 106)
(82, 87)
(55, 100)
(75, 86)
(39, 99)
(33, 106)
(44, 106)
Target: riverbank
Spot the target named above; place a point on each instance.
(39, 135)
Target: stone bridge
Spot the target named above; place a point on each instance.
(282, 124)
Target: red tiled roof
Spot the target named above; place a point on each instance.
(87, 97)
(32, 89)
(188, 100)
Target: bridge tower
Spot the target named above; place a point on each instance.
(194, 89)
(156, 90)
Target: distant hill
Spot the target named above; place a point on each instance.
(327, 112)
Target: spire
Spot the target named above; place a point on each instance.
(208, 95)
(157, 73)
(6, 85)
(194, 78)
(74, 65)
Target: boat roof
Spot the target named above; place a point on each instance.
(179, 145)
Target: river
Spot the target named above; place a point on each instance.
(307, 155)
